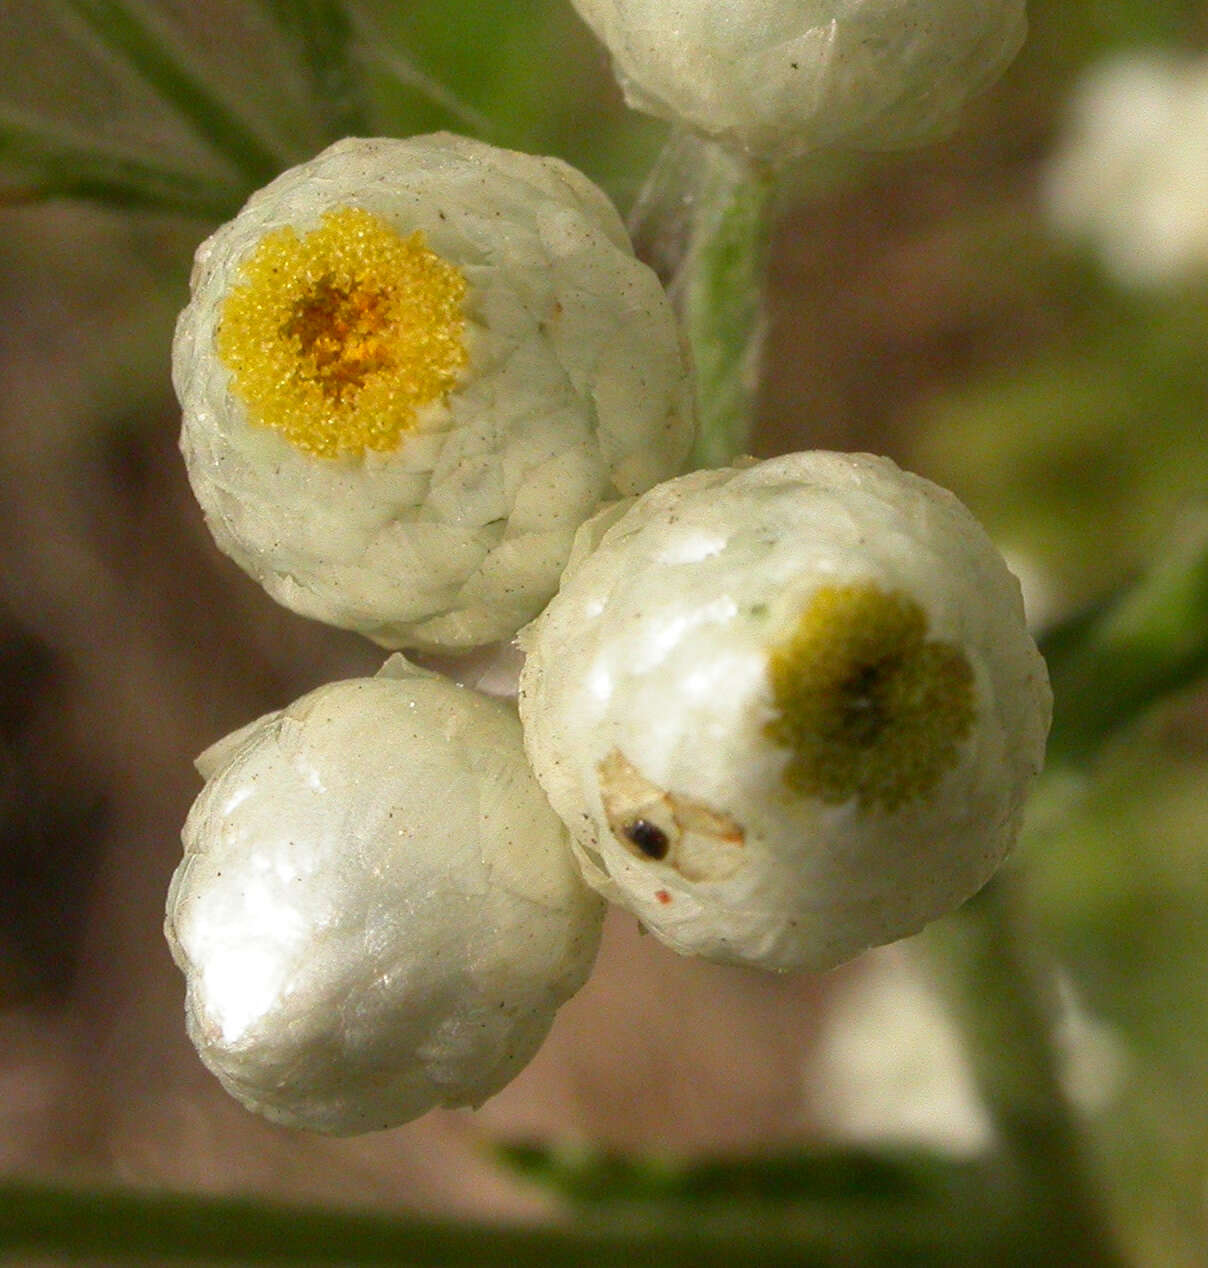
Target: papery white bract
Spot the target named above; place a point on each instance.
(377, 912)
(779, 78)
(788, 711)
(409, 370)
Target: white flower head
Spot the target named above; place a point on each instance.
(1130, 170)
(788, 711)
(784, 77)
(377, 913)
(409, 370)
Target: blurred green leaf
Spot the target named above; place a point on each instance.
(146, 50)
(1073, 451)
(489, 50)
(1119, 881)
(239, 91)
(324, 36)
(1113, 663)
(409, 100)
(41, 162)
(115, 1226)
(529, 76)
(828, 1175)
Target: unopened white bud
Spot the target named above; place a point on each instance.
(784, 77)
(788, 711)
(409, 370)
(377, 913)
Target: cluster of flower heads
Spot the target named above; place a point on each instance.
(781, 712)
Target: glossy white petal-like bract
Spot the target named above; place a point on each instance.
(784, 77)
(377, 913)
(573, 391)
(656, 716)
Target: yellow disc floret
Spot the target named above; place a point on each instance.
(868, 706)
(339, 337)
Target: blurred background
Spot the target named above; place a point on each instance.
(970, 309)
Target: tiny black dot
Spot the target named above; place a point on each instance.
(649, 838)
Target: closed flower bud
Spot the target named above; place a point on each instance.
(409, 370)
(779, 78)
(788, 711)
(377, 913)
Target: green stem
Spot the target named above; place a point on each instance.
(1002, 996)
(725, 303)
(703, 221)
(142, 49)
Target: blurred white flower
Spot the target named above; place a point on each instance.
(377, 912)
(889, 1064)
(788, 711)
(784, 77)
(1043, 600)
(1129, 175)
(409, 370)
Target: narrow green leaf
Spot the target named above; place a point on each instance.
(49, 163)
(116, 1226)
(834, 1175)
(323, 33)
(1113, 663)
(145, 51)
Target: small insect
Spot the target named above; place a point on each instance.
(700, 843)
(648, 837)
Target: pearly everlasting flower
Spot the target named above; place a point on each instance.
(409, 370)
(1130, 173)
(788, 711)
(377, 912)
(784, 77)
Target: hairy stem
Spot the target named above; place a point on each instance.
(703, 222)
(724, 302)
